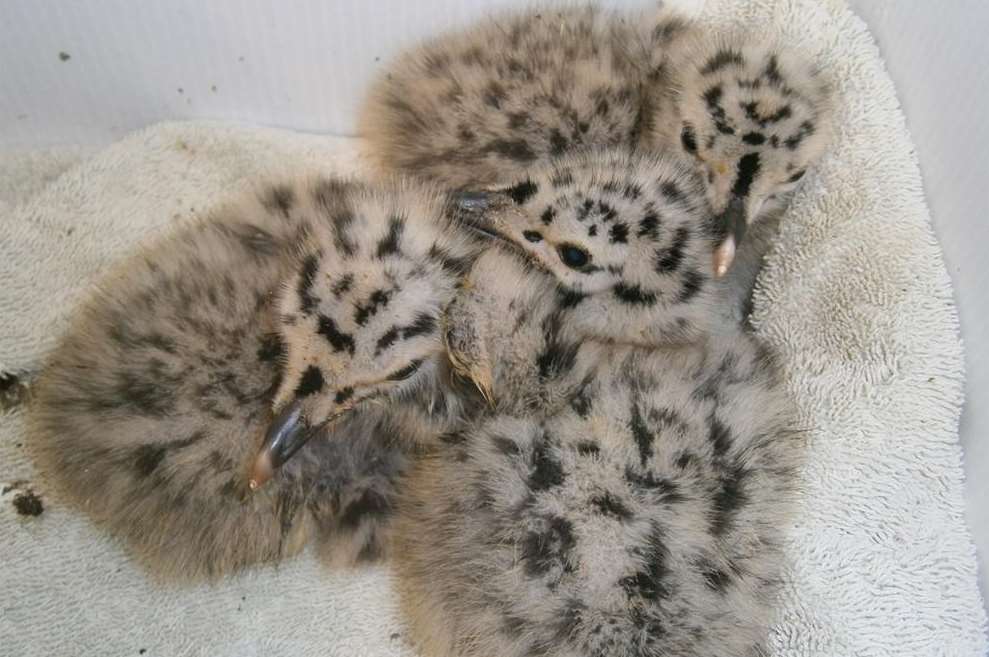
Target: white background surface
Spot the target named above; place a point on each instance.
(305, 64)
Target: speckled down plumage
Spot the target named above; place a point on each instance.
(615, 500)
(875, 339)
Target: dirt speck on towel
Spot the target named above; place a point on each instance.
(13, 392)
(26, 502)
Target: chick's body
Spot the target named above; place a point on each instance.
(470, 108)
(620, 501)
(150, 413)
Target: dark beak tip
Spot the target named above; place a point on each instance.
(287, 434)
(734, 219)
(472, 201)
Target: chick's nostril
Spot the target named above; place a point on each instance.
(532, 236)
(573, 256)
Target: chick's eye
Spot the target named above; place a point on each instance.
(573, 256)
(688, 139)
(406, 372)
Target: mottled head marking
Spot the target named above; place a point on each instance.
(360, 317)
(753, 116)
(629, 237)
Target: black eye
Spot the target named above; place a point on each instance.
(405, 372)
(797, 176)
(688, 140)
(573, 256)
(532, 236)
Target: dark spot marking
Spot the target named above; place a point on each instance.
(649, 583)
(557, 142)
(569, 298)
(345, 246)
(279, 198)
(271, 348)
(405, 372)
(343, 286)
(343, 394)
(543, 550)
(715, 578)
(721, 59)
(684, 460)
(588, 448)
(339, 340)
(309, 268)
(724, 128)
(720, 437)
(754, 138)
(517, 119)
(581, 403)
(728, 500)
(149, 456)
(388, 339)
(692, 284)
(370, 504)
(494, 94)
(773, 71)
(806, 129)
(513, 149)
(671, 191)
(619, 233)
(592, 231)
(548, 215)
(146, 396)
(641, 434)
(797, 176)
(453, 438)
(585, 210)
(688, 140)
(610, 505)
(782, 113)
(310, 383)
(608, 213)
(667, 491)
(669, 261)
(557, 358)
(633, 295)
(390, 243)
(506, 446)
(377, 300)
(522, 192)
(546, 470)
(649, 226)
(448, 262)
(748, 169)
(422, 325)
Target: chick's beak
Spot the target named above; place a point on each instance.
(480, 212)
(734, 221)
(287, 434)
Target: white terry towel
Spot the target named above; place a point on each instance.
(855, 296)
